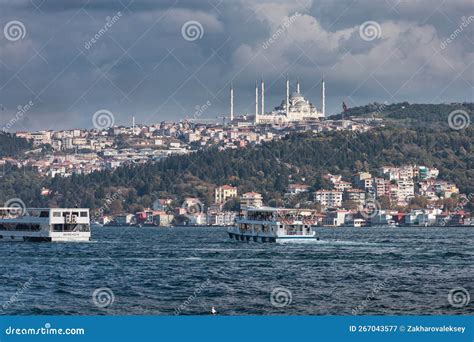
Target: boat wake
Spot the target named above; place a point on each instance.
(328, 242)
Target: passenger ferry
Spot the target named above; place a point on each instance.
(52, 225)
(266, 224)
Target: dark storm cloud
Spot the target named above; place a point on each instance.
(143, 66)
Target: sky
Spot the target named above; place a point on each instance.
(63, 61)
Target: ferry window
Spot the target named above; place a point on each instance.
(57, 227)
(83, 213)
(56, 214)
(44, 214)
(83, 228)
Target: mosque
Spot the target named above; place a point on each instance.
(294, 108)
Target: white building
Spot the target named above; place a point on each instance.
(250, 199)
(221, 218)
(294, 108)
(329, 198)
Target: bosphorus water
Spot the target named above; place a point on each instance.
(167, 271)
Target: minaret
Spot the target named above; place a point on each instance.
(323, 98)
(263, 97)
(133, 125)
(298, 86)
(287, 96)
(231, 103)
(256, 102)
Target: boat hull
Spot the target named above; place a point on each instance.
(9, 236)
(260, 238)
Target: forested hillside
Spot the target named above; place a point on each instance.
(267, 168)
(11, 146)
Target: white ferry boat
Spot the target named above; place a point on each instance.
(53, 225)
(266, 224)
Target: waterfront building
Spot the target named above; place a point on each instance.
(364, 181)
(223, 193)
(221, 218)
(402, 192)
(381, 187)
(329, 198)
(124, 220)
(354, 195)
(250, 199)
(335, 218)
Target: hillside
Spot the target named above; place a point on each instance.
(11, 146)
(267, 168)
(406, 114)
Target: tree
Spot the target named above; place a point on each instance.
(419, 202)
(384, 202)
(232, 204)
(116, 207)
